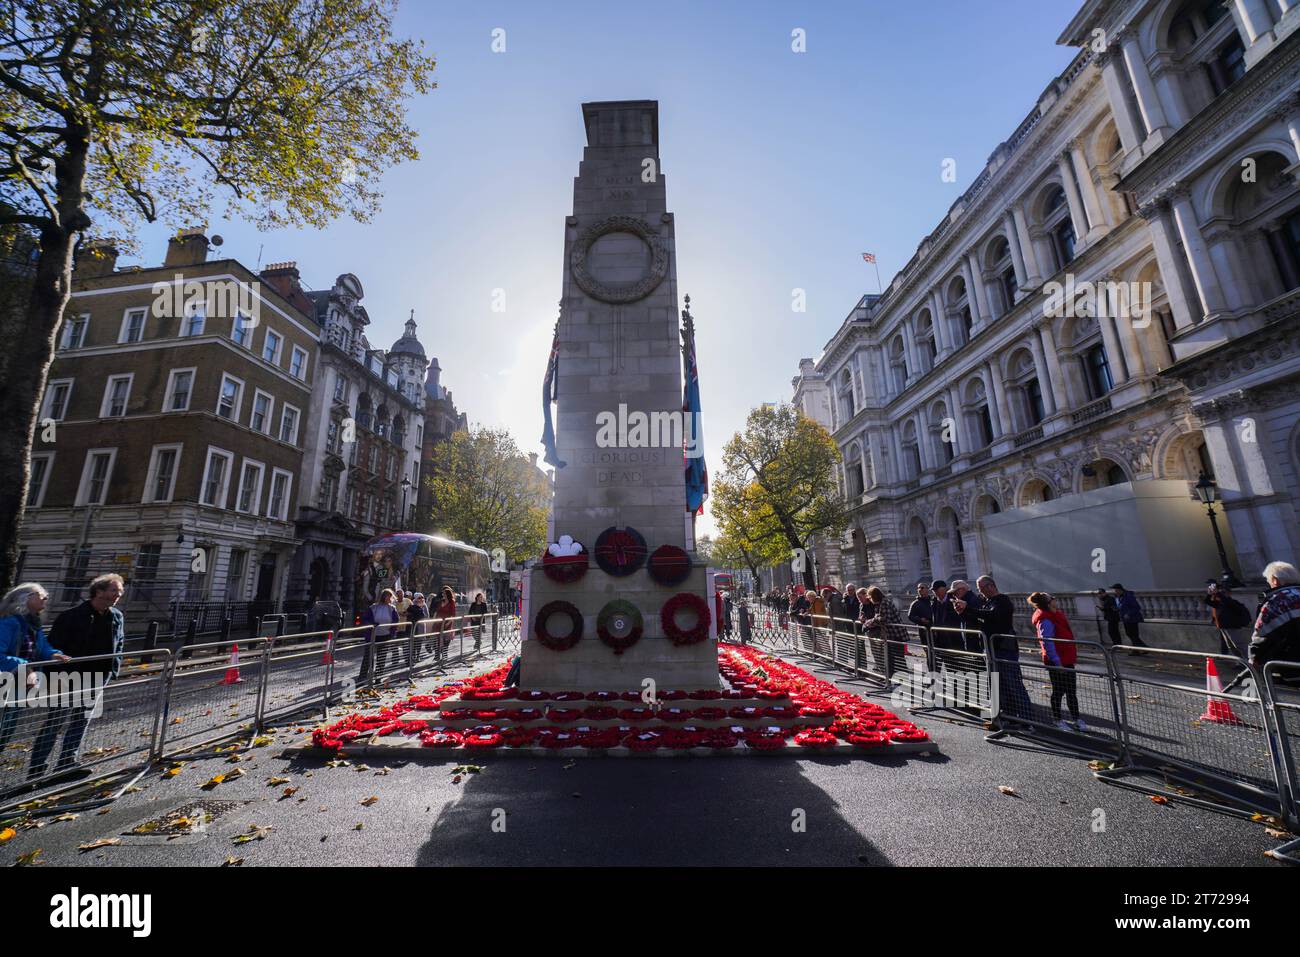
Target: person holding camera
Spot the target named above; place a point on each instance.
(1231, 617)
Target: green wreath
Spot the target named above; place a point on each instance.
(619, 625)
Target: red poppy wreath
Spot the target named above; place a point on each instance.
(670, 565)
(668, 618)
(558, 642)
(620, 551)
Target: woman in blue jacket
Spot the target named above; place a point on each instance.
(22, 639)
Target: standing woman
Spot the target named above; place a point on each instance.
(1056, 641)
(22, 639)
(418, 612)
(478, 610)
(884, 614)
(446, 610)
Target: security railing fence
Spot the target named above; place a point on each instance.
(1159, 712)
(56, 717)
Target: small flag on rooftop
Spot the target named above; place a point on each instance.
(868, 257)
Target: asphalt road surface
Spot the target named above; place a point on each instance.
(946, 810)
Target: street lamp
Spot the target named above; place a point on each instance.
(1207, 491)
(406, 488)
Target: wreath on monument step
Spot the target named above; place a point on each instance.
(542, 632)
(668, 618)
(564, 561)
(619, 625)
(669, 565)
(620, 551)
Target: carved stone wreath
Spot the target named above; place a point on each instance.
(618, 292)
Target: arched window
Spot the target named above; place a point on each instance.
(999, 260)
(363, 410)
(853, 473)
(911, 451)
(847, 405)
(898, 364)
(925, 339)
(1025, 387)
(942, 438)
(1096, 372)
(979, 420)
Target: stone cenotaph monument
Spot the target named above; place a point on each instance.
(620, 597)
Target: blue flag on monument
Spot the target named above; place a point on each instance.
(697, 472)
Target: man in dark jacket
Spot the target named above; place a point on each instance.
(943, 616)
(994, 615)
(1277, 630)
(94, 629)
(852, 607)
(1231, 617)
(919, 612)
(1130, 616)
(1109, 611)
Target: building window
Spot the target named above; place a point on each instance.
(74, 332)
(278, 506)
(216, 478)
(349, 502)
(228, 403)
(325, 502)
(132, 325)
(40, 478)
(1034, 402)
(289, 424)
(332, 436)
(372, 459)
(95, 476)
(194, 323)
(196, 586)
(1096, 372)
(57, 394)
(76, 577)
(271, 346)
(179, 385)
(259, 419)
(986, 425)
(241, 331)
(298, 363)
(160, 482)
(250, 487)
(1228, 65)
(116, 393)
(235, 574)
(1063, 241)
(341, 389)
(145, 576)
(1009, 288)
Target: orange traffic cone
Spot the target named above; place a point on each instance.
(232, 673)
(1217, 710)
(328, 657)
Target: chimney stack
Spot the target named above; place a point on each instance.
(98, 257)
(189, 247)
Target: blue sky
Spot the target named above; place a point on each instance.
(781, 167)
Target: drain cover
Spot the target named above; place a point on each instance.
(184, 824)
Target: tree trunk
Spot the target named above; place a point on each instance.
(31, 339)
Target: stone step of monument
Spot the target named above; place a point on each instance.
(409, 747)
(749, 724)
(451, 704)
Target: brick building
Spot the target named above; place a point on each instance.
(170, 441)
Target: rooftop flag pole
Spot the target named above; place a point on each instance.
(871, 258)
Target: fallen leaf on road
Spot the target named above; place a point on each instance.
(373, 799)
(456, 779)
(276, 782)
(358, 827)
(1158, 799)
(255, 832)
(172, 772)
(102, 842)
(7, 834)
(30, 858)
(1274, 832)
(288, 793)
(1010, 791)
(1097, 765)
(232, 862)
(217, 779)
(324, 838)
(262, 741)
(66, 817)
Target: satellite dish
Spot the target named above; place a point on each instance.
(217, 240)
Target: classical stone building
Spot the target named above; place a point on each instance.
(363, 443)
(441, 419)
(1111, 308)
(170, 442)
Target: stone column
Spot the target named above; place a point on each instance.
(1125, 122)
(1128, 339)
(900, 467)
(1111, 342)
(961, 440)
(986, 373)
(1073, 200)
(1007, 424)
(1256, 26)
(976, 293)
(1091, 201)
(1055, 375)
(1149, 105)
(875, 445)
(1035, 277)
(941, 336)
(1289, 114)
(915, 368)
(1045, 385)
(1198, 256)
(1167, 258)
(923, 446)
(1017, 257)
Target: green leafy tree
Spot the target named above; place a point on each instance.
(777, 490)
(117, 111)
(484, 494)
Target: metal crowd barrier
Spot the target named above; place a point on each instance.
(163, 706)
(1286, 731)
(69, 720)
